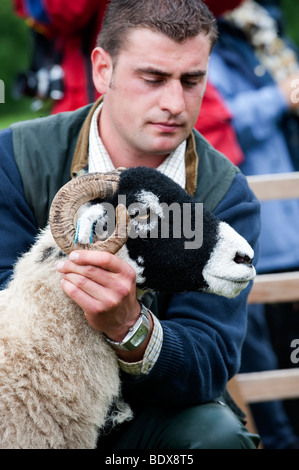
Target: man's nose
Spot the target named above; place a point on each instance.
(172, 98)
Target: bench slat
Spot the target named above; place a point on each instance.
(269, 385)
(277, 186)
(271, 288)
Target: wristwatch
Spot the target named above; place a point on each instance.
(137, 333)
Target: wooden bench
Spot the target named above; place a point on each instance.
(270, 288)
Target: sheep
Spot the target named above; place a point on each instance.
(59, 379)
(219, 261)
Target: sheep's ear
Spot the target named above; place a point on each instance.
(92, 221)
(73, 195)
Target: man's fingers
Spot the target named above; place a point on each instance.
(84, 300)
(105, 270)
(83, 283)
(107, 279)
(101, 259)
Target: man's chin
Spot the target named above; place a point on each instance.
(166, 144)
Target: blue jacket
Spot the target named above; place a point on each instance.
(203, 333)
(265, 132)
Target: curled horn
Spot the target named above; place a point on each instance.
(71, 197)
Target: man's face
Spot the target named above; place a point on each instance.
(154, 94)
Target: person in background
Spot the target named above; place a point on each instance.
(215, 124)
(150, 67)
(253, 69)
(63, 36)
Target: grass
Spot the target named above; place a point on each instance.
(15, 113)
(6, 121)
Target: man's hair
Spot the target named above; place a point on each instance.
(177, 19)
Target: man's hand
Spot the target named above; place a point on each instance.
(104, 287)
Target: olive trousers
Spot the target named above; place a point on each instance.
(209, 426)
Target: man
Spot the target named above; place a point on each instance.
(151, 68)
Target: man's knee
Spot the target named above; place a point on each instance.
(209, 426)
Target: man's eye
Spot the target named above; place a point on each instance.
(188, 84)
(153, 82)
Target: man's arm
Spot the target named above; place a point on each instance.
(255, 111)
(18, 225)
(202, 333)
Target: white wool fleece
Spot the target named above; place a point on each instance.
(58, 376)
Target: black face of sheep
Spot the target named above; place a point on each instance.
(171, 241)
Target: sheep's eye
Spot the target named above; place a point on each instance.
(143, 215)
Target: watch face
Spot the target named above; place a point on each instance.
(141, 331)
(139, 335)
(137, 338)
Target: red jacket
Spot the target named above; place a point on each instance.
(218, 7)
(214, 123)
(214, 120)
(74, 26)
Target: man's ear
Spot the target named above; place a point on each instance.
(101, 69)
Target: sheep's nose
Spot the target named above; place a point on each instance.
(243, 259)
